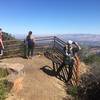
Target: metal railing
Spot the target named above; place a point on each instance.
(51, 46)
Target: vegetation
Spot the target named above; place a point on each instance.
(7, 36)
(87, 57)
(73, 91)
(89, 88)
(16, 44)
(91, 59)
(5, 86)
(84, 52)
(3, 90)
(3, 73)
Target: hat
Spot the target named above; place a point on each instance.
(30, 32)
(70, 41)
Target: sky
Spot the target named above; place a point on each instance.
(50, 17)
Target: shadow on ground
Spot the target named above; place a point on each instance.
(48, 70)
(51, 72)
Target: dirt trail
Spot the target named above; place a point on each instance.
(37, 85)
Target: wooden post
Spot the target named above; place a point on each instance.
(77, 69)
(54, 44)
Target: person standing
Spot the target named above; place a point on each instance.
(68, 59)
(71, 50)
(30, 40)
(1, 43)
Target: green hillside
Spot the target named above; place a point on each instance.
(7, 36)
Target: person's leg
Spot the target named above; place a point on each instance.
(29, 49)
(32, 50)
(25, 51)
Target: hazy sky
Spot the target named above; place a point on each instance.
(46, 17)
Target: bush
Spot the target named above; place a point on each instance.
(89, 89)
(3, 72)
(5, 86)
(73, 91)
(3, 90)
(91, 59)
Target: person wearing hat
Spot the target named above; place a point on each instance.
(1, 43)
(30, 43)
(71, 49)
(74, 47)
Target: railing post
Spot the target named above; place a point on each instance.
(54, 44)
(77, 69)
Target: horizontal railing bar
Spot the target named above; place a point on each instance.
(57, 39)
(42, 44)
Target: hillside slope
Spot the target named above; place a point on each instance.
(7, 36)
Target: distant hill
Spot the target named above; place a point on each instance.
(81, 37)
(84, 39)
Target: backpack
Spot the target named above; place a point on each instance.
(30, 42)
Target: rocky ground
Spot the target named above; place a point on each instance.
(32, 83)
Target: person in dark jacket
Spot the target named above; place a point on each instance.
(30, 42)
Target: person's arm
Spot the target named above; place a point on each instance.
(33, 38)
(77, 45)
(2, 44)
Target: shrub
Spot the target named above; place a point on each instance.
(73, 91)
(5, 86)
(91, 59)
(3, 90)
(3, 73)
